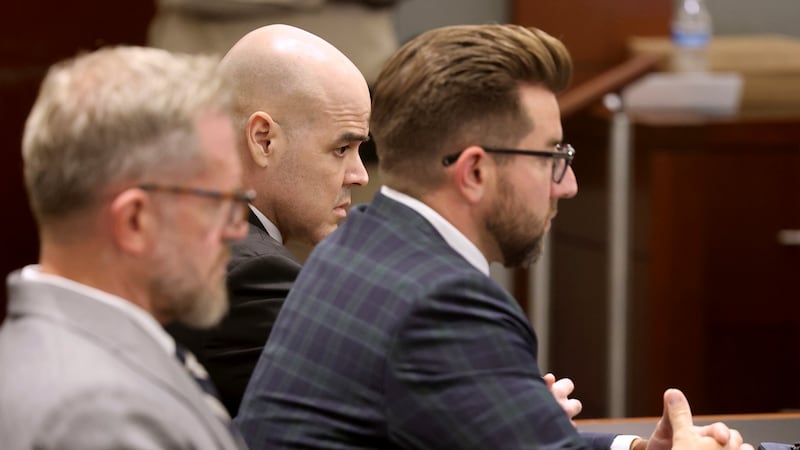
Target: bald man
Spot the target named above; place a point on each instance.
(301, 111)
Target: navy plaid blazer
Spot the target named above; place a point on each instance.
(391, 339)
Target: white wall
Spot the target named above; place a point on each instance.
(755, 16)
(415, 16)
(730, 16)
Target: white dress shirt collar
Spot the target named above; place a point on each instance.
(273, 231)
(143, 318)
(451, 235)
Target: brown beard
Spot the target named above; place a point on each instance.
(517, 232)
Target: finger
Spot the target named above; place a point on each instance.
(720, 432)
(717, 431)
(549, 379)
(572, 406)
(746, 447)
(563, 387)
(663, 426)
(678, 411)
(735, 440)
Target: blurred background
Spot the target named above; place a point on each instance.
(714, 206)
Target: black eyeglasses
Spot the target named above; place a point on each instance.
(239, 198)
(562, 157)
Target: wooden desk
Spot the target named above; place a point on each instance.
(755, 428)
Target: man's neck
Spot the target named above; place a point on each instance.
(95, 267)
(454, 236)
(462, 215)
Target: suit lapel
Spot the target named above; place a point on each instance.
(252, 219)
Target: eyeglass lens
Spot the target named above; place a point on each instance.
(560, 164)
(559, 169)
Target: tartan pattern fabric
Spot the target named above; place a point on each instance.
(390, 339)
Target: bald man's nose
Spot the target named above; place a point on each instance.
(356, 173)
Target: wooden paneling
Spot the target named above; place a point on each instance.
(713, 296)
(722, 292)
(595, 32)
(33, 35)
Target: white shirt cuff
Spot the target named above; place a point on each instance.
(623, 442)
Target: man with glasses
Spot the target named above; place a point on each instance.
(133, 178)
(394, 335)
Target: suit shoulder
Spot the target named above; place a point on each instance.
(260, 245)
(45, 363)
(405, 259)
(111, 417)
(73, 394)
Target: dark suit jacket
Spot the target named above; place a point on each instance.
(260, 273)
(390, 339)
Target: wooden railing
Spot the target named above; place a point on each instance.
(612, 80)
(583, 96)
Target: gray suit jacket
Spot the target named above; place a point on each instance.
(77, 373)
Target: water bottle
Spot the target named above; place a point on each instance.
(691, 34)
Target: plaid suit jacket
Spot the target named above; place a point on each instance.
(390, 339)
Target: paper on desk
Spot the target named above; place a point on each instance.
(704, 93)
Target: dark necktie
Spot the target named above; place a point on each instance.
(200, 376)
(210, 395)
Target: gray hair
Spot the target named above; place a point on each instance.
(107, 119)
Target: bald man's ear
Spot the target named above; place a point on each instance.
(132, 222)
(473, 173)
(260, 131)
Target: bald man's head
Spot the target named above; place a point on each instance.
(301, 110)
(285, 70)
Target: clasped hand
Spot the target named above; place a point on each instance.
(674, 430)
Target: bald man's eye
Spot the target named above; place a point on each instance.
(342, 150)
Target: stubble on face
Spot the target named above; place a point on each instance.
(187, 296)
(517, 230)
(314, 197)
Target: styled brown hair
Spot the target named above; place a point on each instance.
(456, 86)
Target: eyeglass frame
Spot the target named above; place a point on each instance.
(567, 154)
(241, 196)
